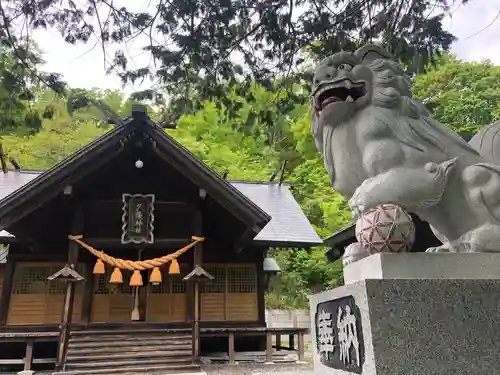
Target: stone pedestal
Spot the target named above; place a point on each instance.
(412, 314)
(424, 266)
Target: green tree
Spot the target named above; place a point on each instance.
(194, 43)
(19, 84)
(463, 95)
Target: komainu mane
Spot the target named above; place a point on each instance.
(381, 146)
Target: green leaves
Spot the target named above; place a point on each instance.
(460, 94)
(200, 47)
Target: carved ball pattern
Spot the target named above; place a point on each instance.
(386, 228)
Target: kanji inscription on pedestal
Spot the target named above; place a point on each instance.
(339, 336)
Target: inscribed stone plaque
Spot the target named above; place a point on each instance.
(339, 335)
(138, 218)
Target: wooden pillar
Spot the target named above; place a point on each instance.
(291, 341)
(261, 291)
(88, 293)
(8, 283)
(301, 346)
(28, 358)
(230, 348)
(196, 322)
(197, 261)
(278, 342)
(269, 347)
(76, 228)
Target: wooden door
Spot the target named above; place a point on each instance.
(36, 300)
(112, 303)
(167, 302)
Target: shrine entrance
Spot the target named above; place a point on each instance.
(112, 303)
(164, 302)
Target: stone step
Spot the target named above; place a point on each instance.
(102, 348)
(136, 363)
(129, 355)
(94, 343)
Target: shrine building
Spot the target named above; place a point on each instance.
(132, 256)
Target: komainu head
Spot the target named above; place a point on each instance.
(366, 90)
(348, 82)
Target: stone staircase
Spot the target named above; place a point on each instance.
(133, 351)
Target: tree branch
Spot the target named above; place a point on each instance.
(12, 42)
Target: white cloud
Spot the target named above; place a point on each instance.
(83, 66)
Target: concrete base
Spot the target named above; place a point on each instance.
(410, 327)
(424, 266)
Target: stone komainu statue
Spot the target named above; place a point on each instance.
(381, 146)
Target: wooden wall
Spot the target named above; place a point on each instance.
(35, 300)
(232, 295)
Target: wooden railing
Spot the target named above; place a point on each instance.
(270, 333)
(29, 339)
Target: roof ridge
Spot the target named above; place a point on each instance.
(40, 171)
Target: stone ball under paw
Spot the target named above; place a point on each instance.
(385, 228)
(353, 253)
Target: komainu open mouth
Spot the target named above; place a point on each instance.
(345, 91)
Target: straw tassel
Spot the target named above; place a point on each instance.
(155, 277)
(99, 268)
(174, 268)
(136, 279)
(116, 276)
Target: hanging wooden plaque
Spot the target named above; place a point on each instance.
(138, 218)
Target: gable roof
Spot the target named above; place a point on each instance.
(40, 189)
(288, 227)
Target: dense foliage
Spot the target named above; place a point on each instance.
(200, 47)
(461, 94)
(458, 93)
(19, 82)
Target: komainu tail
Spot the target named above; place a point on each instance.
(487, 142)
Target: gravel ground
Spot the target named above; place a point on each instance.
(258, 369)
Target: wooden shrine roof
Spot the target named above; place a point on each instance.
(22, 195)
(288, 227)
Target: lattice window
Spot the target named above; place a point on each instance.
(218, 284)
(103, 286)
(163, 287)
(177, 284)
(241, 280)
(32, 279)
(171, 283)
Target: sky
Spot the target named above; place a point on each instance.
(475, 24)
